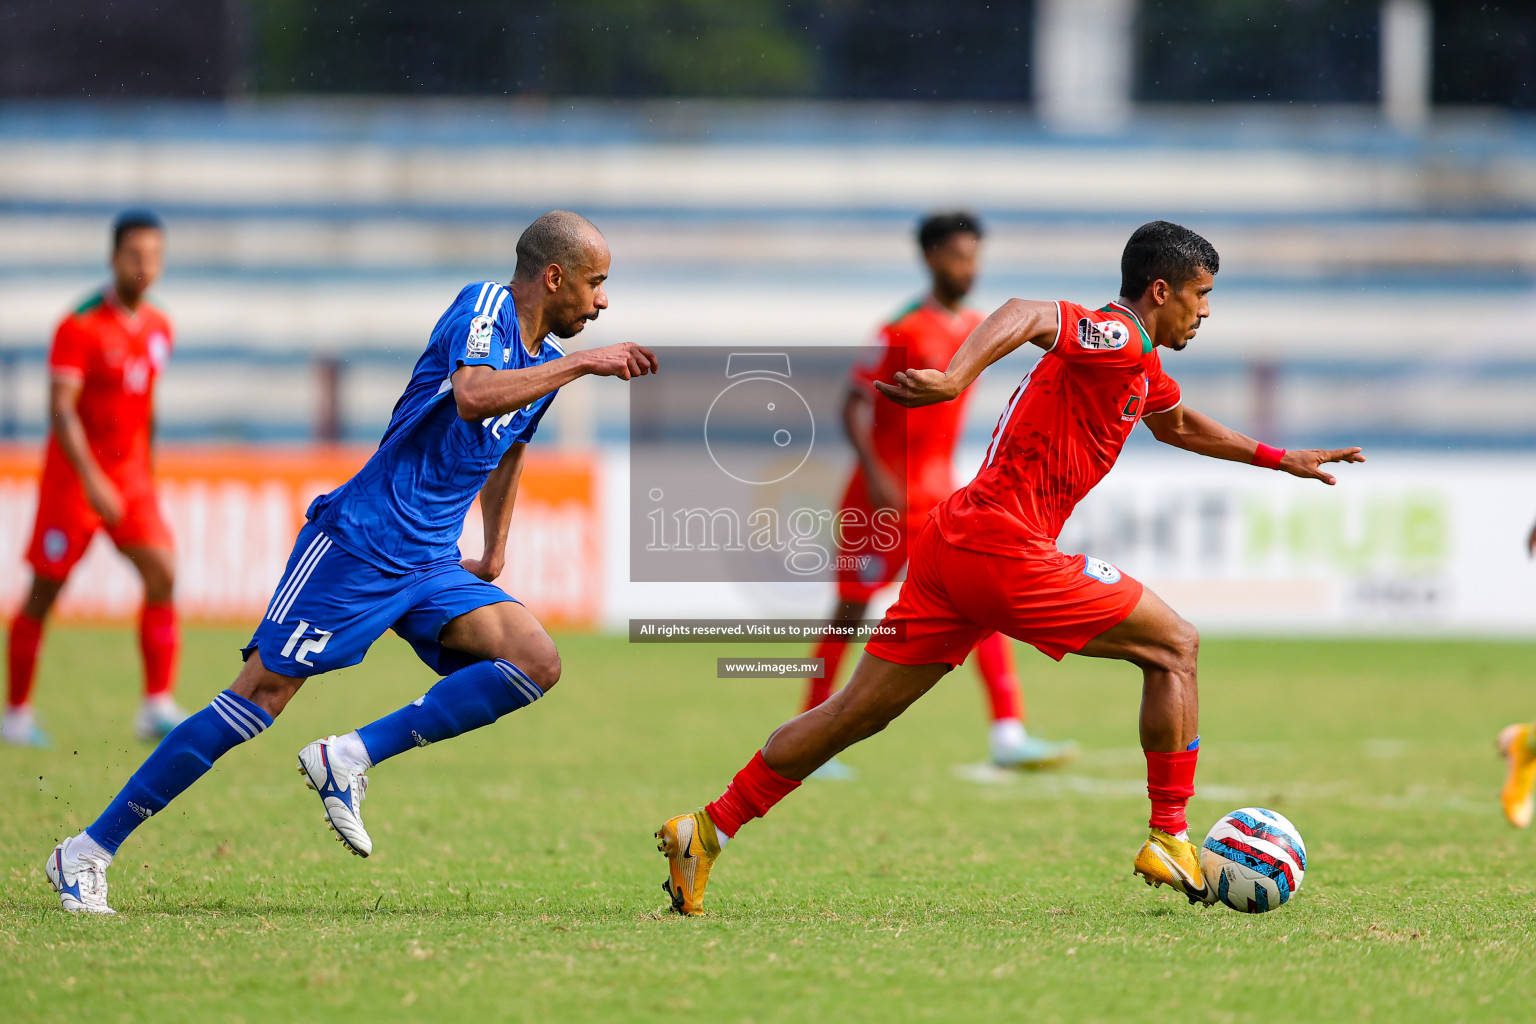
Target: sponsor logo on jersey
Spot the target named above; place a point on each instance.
(479, 343)
(1105, 335)
(1098, 569)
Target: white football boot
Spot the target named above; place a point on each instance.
(1013, 747)
(19, 728)
(157, 717)
(78, 873)
(342, 786)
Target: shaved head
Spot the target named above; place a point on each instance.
(560, 237)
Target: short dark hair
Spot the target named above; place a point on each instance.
(559, 237)
(133, 220)
(1164, 251)
(936, 228)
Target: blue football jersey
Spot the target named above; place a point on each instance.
(405, 509)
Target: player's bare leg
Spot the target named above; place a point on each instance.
(877, 694)
(508, 631)
(263, 687)
(159, 639)
(19, 726)
(1166, 649)
(503, 660)
(831, 651)
(41, 597)
(77, 867)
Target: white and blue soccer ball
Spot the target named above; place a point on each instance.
(1255, 859)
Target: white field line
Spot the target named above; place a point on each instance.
(1005, 784)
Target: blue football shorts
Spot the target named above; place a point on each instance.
(331, 606)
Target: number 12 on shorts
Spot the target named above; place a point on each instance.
(308, 647)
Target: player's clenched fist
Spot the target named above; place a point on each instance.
(1306, 462)
(913, 388)
(624, 361)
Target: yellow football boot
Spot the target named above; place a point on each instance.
(691, 846)
(1168, 860)
(1516, 744)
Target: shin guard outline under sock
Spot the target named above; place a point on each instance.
(470, 698)
(994, 661)
(1170, 784)
(160, 646)
(26, 637)
(183, 757)
(751, 794)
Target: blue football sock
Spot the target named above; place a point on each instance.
(467, 699)
(187, 752)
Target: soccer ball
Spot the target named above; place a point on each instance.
(1255, 858)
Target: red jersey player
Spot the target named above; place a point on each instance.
(988, 560)
(888, 437)
(96, 473)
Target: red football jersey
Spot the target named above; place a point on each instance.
(1061, 432)
(923, 336)
(116, 356)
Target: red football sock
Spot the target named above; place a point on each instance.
(26, 637)
(160, 642)
(754, 790)
(1170, 784)
(820, 689)
(995, 662)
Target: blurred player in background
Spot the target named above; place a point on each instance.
(1517, 745)
(381, 552)
(988, 562)
(888, 437)
(96, 474)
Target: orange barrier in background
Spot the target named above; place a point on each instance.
(235, 511)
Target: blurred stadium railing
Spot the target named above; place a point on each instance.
(1376, 288)
(310, 231)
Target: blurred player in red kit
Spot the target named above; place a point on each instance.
(988, 562)
(888, 437)
(96, 474)
(1517, 745)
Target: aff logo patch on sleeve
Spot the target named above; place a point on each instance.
(479, 341)
(1104, 335)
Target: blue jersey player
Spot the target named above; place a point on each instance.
(381, 552)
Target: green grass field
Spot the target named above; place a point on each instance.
(515, 876)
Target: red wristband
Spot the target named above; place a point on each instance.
(1267, 456)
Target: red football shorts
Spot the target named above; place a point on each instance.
(870, 553)
(954, 597)
(66, 523)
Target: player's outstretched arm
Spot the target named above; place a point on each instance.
(480, 391)
(496, 500)
(1014, 323)
(1196, 432)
